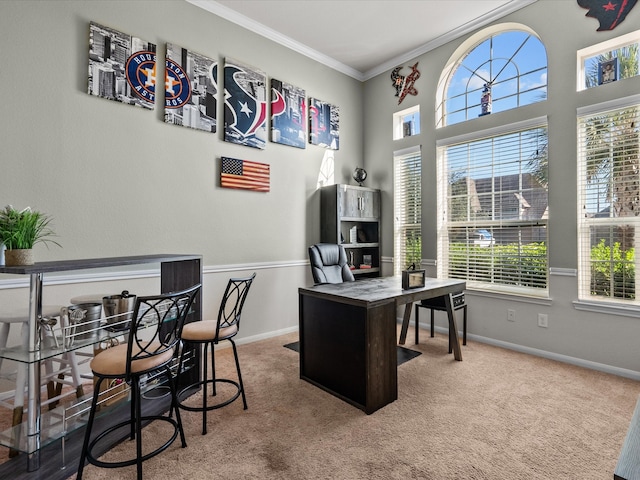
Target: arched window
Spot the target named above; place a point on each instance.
(492, 181)
(507, 69)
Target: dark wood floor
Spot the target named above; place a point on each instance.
(52, 466)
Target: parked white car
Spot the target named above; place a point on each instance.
(483, 238)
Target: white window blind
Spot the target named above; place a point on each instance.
(609, 203)
(493, 204)
(407, 206)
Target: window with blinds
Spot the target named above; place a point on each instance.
(493, 204)
(407, 208)
(609, 200)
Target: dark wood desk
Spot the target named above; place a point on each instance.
(348, 335)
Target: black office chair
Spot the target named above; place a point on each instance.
(329, 263)
(438, 303)
(150, 350)
(210, 333)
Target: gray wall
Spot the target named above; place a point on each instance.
(119, 181)
(590, 338)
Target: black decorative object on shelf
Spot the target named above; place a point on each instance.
(359, 175)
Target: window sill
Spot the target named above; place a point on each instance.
(509, 296)
(609, 308)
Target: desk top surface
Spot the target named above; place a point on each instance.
(87, 263)
(376, 291)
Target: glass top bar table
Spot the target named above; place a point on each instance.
(177, 271)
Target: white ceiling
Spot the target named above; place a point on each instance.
(361, 38)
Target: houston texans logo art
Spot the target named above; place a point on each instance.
(245, 115)
(610, 13)
(278, 105)
(288, 114)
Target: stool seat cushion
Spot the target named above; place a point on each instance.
(113, 361)
(205, 330)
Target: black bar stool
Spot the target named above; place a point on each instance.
(150, 350)
(210, 333)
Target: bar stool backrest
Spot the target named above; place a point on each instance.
(231, 306)
(158, 320)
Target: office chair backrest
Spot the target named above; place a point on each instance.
(329, 263)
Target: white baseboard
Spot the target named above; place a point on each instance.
(601, 367)
(579, 362)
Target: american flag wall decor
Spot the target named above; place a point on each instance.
(235, 173)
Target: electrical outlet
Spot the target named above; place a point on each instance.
(543, 320)
(511, 315)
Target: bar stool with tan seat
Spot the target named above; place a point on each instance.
(210, 333)
(150, 349)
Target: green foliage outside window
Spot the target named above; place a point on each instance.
(413, 249)
(613, 271)
(509, 264)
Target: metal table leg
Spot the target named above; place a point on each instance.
(33, 374)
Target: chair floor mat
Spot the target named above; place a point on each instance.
(404, 354)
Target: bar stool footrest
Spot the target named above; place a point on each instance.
(204, 383)
(126, 463)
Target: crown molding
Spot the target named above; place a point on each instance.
(479, 22)
(256, 27)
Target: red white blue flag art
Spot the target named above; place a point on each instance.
(288, 114)
(121, 67)
(243, 174)
(190, 89)
(245, 105)
(610, 13)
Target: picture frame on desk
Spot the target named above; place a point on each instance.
(413, 279)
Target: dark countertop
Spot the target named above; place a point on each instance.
(372, 292)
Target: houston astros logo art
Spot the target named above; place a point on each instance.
(141, 74)
(177, 86)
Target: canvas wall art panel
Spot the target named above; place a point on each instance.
(324, 123)
(243, 174)
(190, 89)
(245, 105)
(121, 67)
(288, 114)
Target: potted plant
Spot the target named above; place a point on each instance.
(20, 231)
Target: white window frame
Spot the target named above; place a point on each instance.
(457, 59)
(405, 214)
(587, 223)
(443, 214)
(601, 48)
(410, 115)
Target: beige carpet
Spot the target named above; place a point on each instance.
(496, 415)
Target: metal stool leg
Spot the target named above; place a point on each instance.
(432, 323)
(417, 323)
(464, 325)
